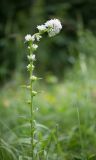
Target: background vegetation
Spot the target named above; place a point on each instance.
(67, 63)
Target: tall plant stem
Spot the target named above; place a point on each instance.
(80, 134)
(31, 109)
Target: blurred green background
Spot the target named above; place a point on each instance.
(67, 64)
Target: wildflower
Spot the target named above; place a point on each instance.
(32, 67)
(31, 57)
(33, 38)
(33, 78)
(38, 37)
(41, 27)
(34, 93)
(34, 46)
(28, 38)
(28, 67)
(54, 26)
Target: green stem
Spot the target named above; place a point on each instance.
(80, 134)
(31, 105)
(31, 108)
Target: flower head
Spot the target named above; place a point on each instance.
(33, 38)
(34, 46)
(54, 26)
(28, 38)
(33, 78)
(38, 37)
(41, 27)
(31, 57)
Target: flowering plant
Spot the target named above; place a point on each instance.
(52, 27)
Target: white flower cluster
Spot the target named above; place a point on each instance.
(52, 26)
(41, 27)
(31, 57)
(28, 37)
(34, 46)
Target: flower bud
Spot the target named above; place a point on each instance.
(28, 87)
(31, 57)
(28, 102)
(32, 66)
(28, 38)
(34, 93)
(28, 67)
(38, 36)
(34, 46)
(33, 78)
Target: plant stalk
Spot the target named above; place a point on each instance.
(80, 134)
(31, 109)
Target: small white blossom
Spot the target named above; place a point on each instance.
(29, 47)
(29, 66)
(54, 26)
(33, 78)
(33, 38)
(28, 38)
(31, 57)
(34, 46)
(41, 27)
(38, 37)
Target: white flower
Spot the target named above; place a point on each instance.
(34, 46)
(54, 26)
(31, 57)
(33, 78)
(29, 47)
(33, 38)
(38, 37)
(28, 38)
(28, 67)
(41, 27)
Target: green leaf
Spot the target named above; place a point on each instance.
(92, 157)
(42, 126)
(25, 140)
(77, 158)
(25, 158)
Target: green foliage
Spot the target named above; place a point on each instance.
(58, 136)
